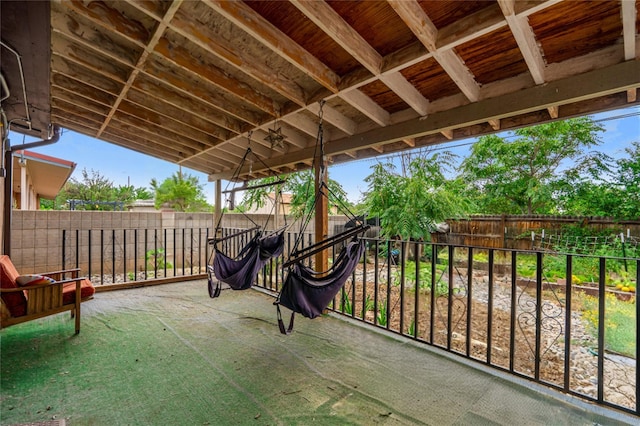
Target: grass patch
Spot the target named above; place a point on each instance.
(620, 323)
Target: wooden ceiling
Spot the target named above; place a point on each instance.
(189, 81)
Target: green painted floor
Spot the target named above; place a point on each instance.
(170, 355)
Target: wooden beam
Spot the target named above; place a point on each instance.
(150, 46)
(327, 19)
(335, 118)
(220, 79)
(266, 33)
(321, 218)
(367, 106)
(495, 123)
(301, 122)
(224, 49)
(526, 40)
(553, 111)
(423, 28)
(629, 28)
(447, 133)
(406, 91)
(597, 83)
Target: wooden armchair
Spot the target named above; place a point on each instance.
(21, 303)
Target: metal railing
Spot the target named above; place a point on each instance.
(117, 256)
(567, 321)
(513, 310)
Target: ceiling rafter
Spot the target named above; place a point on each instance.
(335, 118)
(223, 49)
(421, 25)
(367, 106)
(191, 80)
(263, 31)
(184, 59)
(148, 49)
(585, 86)
(342, 33)
(526, 40)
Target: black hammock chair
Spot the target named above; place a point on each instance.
(240, 271)
(306, 291)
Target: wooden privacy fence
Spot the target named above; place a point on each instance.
(526, 231)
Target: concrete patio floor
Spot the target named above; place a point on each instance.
(170, 355)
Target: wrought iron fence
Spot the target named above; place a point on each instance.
(116, 256)
(568, 321)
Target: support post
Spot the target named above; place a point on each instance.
(218, 204)
(321, 213)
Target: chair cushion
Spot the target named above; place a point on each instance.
(16, 302)
(28, 280)
(69, 291)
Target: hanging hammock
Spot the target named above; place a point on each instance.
(240, 271)
(309, 292)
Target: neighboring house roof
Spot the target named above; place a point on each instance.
(48, 174)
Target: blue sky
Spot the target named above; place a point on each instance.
(123, 166)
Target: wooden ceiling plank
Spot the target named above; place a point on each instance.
(406, 91)
(529, 7)
(367, 106)
(302, 123)
(148, 49)
(459, 73)
(335, 118)
(233, 117)
(423, 28)
(583, 87)
(168, 124)
(85, 76)
(79, 101)
(228, 52)
(470, 27)
(211, 98)
(67, 84)
(329, 21)
(184, 59)
(112, 20)
(171, 112)
(58, 104)
(526, 40)
(181, 98)
(84, 35)
(135, 126)
(629, 28)
(266, 33)
(97, 63)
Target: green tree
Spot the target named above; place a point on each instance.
(616, 194)
(525, 175)
(411, 203)
(94, 189)
(301, 187)
(182, 192)
(628, 179)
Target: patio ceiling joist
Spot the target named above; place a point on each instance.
(187, 81)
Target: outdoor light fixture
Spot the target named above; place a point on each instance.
(275, 136)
